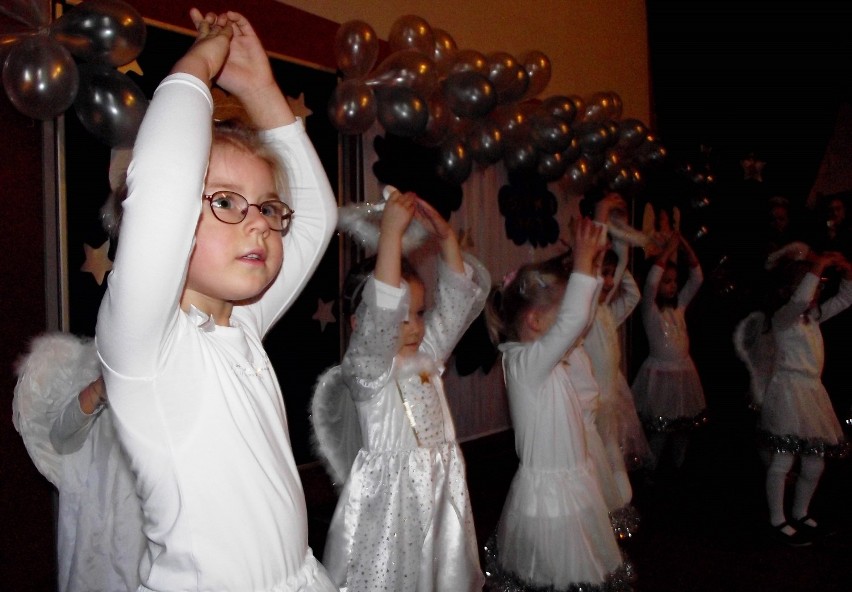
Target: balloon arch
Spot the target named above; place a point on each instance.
(481, 109)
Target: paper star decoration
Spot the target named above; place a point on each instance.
(753, 168)
(97, 261)
(324, 313)
(298, 107)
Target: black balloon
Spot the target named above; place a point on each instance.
(454, 161)
(109, 104)
(401, 111)
(103, 31)
(561, 107)
(445, 50)
(520, 156)
(509, 78)
(469, 94)
(40, 77)
(356, 48)
(486, 142)
(352, 107)
(408, 67)
(550, 134)
(551, 167)
(631, 133)
(412, 32)
(466, 60)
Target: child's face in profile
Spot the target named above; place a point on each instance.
(668, 284)
(234, 262)
(608, 276)
(411, 329)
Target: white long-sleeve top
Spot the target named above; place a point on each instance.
(668, 339)
(799, 345)
(197, 406)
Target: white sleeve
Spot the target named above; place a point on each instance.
(165, 182)
(314, 220)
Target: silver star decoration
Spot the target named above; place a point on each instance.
(324, 314)
(97, 261)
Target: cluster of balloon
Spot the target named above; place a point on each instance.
(42, 76)
(482, 109)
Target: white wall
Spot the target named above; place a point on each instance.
(592, 45)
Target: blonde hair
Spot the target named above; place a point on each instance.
(535, 285)
(231, 132)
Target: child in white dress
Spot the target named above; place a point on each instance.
(667, 388)
(403, 520)
(797, 419)
(616, 420)
(554, 532)
(60, 409)
(207, 263)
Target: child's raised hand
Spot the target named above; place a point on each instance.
(246, 70)
(399, 211)
(432, 220)
(588, 246)
(208, 53)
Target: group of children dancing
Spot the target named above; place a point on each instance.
(185, 435)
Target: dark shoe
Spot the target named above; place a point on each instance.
(814, 532)
(798, 538)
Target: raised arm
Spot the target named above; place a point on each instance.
(75, 421)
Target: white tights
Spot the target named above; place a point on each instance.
(810, 471)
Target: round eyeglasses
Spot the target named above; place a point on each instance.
(232, 208)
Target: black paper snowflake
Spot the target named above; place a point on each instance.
(409, 166)
(529, 209)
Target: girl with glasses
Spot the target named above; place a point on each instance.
(203, 270)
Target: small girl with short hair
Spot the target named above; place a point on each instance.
(554, 531)
(797, 419)
(403, 520)
(668, 391)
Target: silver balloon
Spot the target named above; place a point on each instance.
(469, 94)
(454, 161)
(102, 31)
(109, 104)
(40, 77)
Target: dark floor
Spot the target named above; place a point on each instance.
(704, 528)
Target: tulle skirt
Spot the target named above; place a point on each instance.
(555, 530)
(798, 405)
(619, 427)
(668, 390)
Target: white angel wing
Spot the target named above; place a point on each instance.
(57, 367)
(756, 348)
(336, 432)
(362, 221)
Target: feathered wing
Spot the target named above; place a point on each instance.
(336, 432)
(756, 348)
(57, 367)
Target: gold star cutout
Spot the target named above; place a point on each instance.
(324, 313)
(298, 106)
(131, 67)
(97, 261)
(424, 377)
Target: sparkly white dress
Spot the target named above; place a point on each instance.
(617, 421)
(797, 412)
(554, 532)
(403, 521)
(667, 388)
